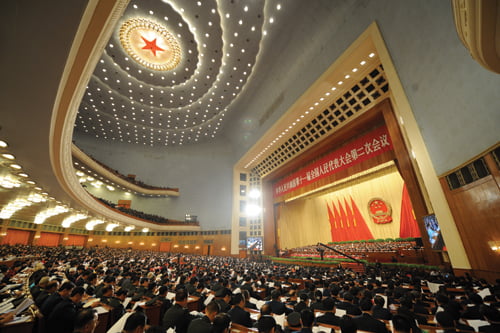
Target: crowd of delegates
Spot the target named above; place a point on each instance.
(62, 279)
(356, 248)
(131, 179)
(141, 215)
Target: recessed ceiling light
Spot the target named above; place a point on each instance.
(8, 156)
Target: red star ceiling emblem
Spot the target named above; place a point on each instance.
(151, 45)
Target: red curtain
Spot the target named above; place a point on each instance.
(48, 239)
(75, 240)
(15, 236)
(165, 246)
(409, 226)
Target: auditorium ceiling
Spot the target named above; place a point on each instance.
(172, 73)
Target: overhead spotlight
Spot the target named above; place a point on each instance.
(253, 210)
(254, 193)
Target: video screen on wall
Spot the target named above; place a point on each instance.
(254, 243)
(434, 232)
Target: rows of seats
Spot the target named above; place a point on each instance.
(118, 282)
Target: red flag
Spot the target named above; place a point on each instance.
(361, 231)
(333, 222)
(408, 223)
(340, 234)
(348, 212)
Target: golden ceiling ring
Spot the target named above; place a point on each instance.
(150, 44)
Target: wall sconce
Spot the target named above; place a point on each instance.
(494, 245)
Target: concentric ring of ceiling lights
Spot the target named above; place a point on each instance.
(150, 44)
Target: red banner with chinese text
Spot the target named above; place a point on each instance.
(359, 150)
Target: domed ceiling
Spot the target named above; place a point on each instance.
(172, 70)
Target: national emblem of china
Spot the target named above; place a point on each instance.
(150, 44)
(380, 211)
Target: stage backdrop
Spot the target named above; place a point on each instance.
(369, 207)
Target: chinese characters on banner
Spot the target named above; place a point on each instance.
(364, 148)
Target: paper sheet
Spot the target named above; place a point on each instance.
(118, 326)
(209, 298)
(433, 287)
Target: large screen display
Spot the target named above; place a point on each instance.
(434, 232)
(254, 243)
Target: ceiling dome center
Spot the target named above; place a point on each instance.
(150, 44)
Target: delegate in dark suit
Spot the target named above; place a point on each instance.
(329, 318)
(200, 325)
(240, 316)
(366, 322)
(62, 318)
(178, 317)
(379, 312)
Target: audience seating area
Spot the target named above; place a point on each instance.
(144, 216)
(132, 179)
(430, 301)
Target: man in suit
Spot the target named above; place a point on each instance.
(266, 324)
(136, 323)
(329, 316)
(113, 302)
(473, 310)
(62, 317)
(204, 324)
(178, 315)
(347, 304)
(302, 304)
(378, 310)
(492, 315)
(237, 313)
(63, 293)
(223, 297)
(278, 307)
(86, 321)
(51, 288)
(161, 300)
(306, 320)
(366, 322)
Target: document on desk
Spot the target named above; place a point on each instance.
(23, 305)
(118, 326)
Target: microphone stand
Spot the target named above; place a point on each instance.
(341, 253)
